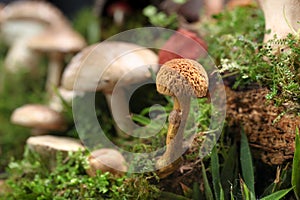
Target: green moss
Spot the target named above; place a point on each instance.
(235, 43)
(30, 180)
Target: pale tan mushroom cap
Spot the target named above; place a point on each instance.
(62, 40)
(100, 66)
(105, 160)
(55, 142)
(38, 116)
(182, 77)
(34, 10)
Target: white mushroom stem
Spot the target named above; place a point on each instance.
(281, 17)
(118, 104)
(20, 57)
(55, 69)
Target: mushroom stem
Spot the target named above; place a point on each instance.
(281, 17)
(174, 140)
(119, 108)
(54, 71)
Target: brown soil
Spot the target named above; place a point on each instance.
(271, 135)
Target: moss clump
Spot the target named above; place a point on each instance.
(29, 179)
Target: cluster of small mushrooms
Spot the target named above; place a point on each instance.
(33, 28)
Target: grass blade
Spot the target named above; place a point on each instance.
(229, 170)
(246, 163)
(215, 172)
(296, 166)
(277, 195)
(246, 193)
(207, 189)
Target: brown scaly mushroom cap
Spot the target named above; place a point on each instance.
(188, 77)
(38, 116)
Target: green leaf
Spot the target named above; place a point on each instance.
(141, 119)
(196, 191)
(215, 172)
(246, 193)
(277, 195)
(229, 170)
(296, 166)
(207, 189)
(246, 163)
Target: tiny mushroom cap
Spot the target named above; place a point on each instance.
(179, 77)
(106, 160)
(40, 117)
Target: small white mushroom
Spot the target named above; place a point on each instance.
(22, 20)
(39, 117)
(100, 67)
(57, 43)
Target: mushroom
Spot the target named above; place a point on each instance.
(106, 160)
(47, 146)
(57, 43)
(39, 117)
(181, 79)
(281, 17)
(100, 67)
(191, 10)
(182, 44)
(118, 10)
(22, 20)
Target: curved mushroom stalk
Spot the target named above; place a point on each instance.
(181, 79)
(281, 17)
(171, 159)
